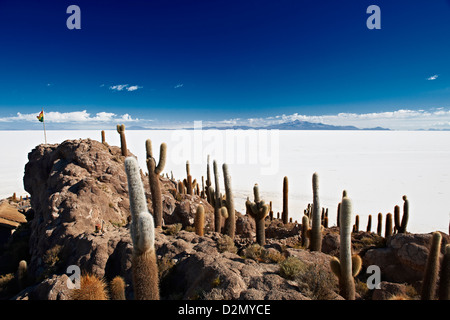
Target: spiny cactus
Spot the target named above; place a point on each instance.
(199, 221)
(388, 227)
(444, 276)
(258, 211)
(143, 259)
(316, 232)
(405, 217)
(346, 267)
(117, 288)
(380, 223)
(91, 288)
(429, 283)
(208, 180)
(103, 137)
(369, 224)
(270, 211)
(285, 212)
(22, 274)
(356, 229)
(153, 178)
(230, 222)
(305, 232)
(338, 216)
(396, 219)
(188, 182)
(216, 200)
(123, 141)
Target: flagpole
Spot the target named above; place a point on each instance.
(43, 122)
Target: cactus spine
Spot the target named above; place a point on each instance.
(123, 141)
(117, 288)
(316, 232)
(432, 269)
(258, 211)
(199, 221)
(230, 222)
(153, 178)
(143, 259)
(444, 277)
(285, 212)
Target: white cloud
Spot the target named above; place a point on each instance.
(433, 77)
(133, 88)
(69, 117)
(121, 87)
(180, 85)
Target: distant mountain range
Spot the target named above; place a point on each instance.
(293, 125)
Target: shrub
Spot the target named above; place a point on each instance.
(254, 252)
(172, 229)
(226, 244)
(291, 267)
(316, 282)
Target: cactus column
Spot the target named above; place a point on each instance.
(285, 213)
(230, 222)
(432, 269)
(153, 178)
(346, 267)
(258, 211)
(143, 259)
(123, 141)
(316, 232)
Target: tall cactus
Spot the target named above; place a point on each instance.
(369, 224)
(397, 218)
(190, 185)
(103, 137)
(347, 266)
(153, 178)
(405, 217)
(123, 141)
(388, 226)
(316, 232)
(380, 223)
(199, 221)
(230, 222)
(305, 232)
(143, 259)
(208, 180)
(285, 212)
(216, 200)
(258, 211)
(444, 277)
(429, 283)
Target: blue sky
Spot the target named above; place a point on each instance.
(167, 62)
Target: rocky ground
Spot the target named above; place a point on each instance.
(78, 214)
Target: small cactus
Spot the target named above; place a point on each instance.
(143, 259)
(153, 177)
(396, 218)
(316, 232)
(123, 141)
(22, 275)
(103, 137)
(91, 288)
(305, 232)
(432, 268)
(117, 288)
(199, 221)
